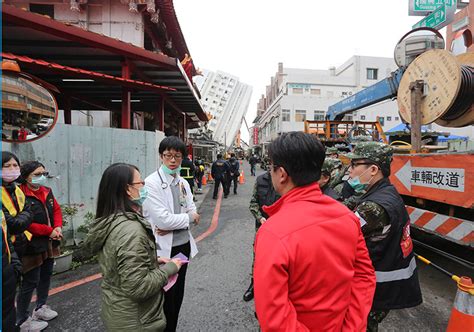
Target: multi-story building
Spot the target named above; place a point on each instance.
(116, 63)
(226, 99)
(295, 95)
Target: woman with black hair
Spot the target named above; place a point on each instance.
(16, 217)
(38, 257)
(124, 241)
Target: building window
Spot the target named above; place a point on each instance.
(297, 91)
(300, 115)
(319, 115)
(285, 115)
(389, 118)
(372, 73)
(397, 118)
(362, 117)
(42, 9)
(316, 91)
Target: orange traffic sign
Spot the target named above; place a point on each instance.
(446, 178)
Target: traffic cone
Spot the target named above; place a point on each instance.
(204, 180)
(242, 178)
(462, 314)
(209, 177)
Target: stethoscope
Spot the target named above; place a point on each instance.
(164, 184)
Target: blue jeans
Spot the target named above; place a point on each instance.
(39, 278)
(253, 169)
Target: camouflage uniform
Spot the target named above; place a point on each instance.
(331, 166)
(331, 150)
(254, 207)
(374, 215)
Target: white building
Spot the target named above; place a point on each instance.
(296, 95)
(227, 100)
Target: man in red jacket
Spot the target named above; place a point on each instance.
(312, 268)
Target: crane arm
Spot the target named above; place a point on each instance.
(385, 89)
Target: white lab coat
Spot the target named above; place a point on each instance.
(158, 209)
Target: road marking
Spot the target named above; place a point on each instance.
(209, 231)
(215, 219)
(72, 285)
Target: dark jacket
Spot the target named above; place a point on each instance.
(187, 169)
(17, 224)
(234, 167)
(197, 169)
(264, 195)
(327, 190)
(253, 160)
(11, 267)
(395, 266)
(43, 214)
(220, 169)
(132, 294)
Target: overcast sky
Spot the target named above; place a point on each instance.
(247, 38)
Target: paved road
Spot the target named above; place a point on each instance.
(219, 275)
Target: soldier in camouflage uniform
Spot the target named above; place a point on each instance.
(385, 224)
(328, 170)
(263, 194)
(332, 152)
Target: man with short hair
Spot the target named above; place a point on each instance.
(219, 171)
(187, 171)
(253, 165)
(170, 209)
(234, 172)
(386, 228)
(312, 269)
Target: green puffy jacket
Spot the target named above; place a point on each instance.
(132, 295)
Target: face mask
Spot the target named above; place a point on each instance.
(143, 194)
(10, 175)
(357, 185)
(170, 171)
(39, 180)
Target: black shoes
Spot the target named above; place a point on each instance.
(248, 295)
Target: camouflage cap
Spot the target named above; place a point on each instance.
(330, 164)
(331, 150)
(379, 153)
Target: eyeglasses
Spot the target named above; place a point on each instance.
(39, 174)
(355, 164)
(169, 156)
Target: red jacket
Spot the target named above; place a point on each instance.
(41, 194)
(312, 268)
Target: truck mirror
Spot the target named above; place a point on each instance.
(416, 42)
(29, 110)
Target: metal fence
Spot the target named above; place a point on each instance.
(76, 157)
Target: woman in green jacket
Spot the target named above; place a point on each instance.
(133, 279)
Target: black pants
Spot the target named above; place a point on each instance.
(374, 319)
(234, 179)
(217, 182)
(8, 298)
(174, 296)
(191, 185)
(39, 278)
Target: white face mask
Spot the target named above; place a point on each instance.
(10, 175)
